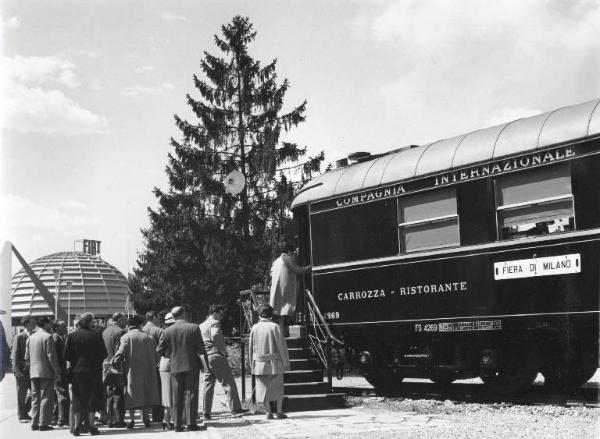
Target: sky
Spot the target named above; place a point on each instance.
(89, 90)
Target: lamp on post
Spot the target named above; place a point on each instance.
(56, 273)
(69, 284)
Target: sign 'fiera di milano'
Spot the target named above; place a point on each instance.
(474, 172)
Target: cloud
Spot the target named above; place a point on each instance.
(173, 18)
(143, 90)
(20, 214)
(40, 69)
(71, 205)
(143, 69)
(86, 53)
(30, 107)
(12, 23)
(469, 63)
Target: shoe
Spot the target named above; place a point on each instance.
(46, 428)
(281, 416)
(167, 426)
(26, 418)
(196, 427)
(130, 425)
(269, 416)
(75, 432)
(35, 427)
(94, 432)
(207, 417)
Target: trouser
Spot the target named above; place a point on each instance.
(63, 401)
(42, 401)
(158, 411)
(184, 387)
(115, 405)
(220, 370)
(23, 396)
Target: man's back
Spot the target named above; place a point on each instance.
(85, 350)
(154, 331)
(111, 336)
(42, 355)
(17, 355)
(184, 343)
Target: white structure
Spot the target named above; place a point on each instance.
(83, 282)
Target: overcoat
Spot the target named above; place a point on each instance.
(284, 284)
(267, 349)
(138, 350)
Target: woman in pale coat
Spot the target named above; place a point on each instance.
(138, 350)
(269, 360)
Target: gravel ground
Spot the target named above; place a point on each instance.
(473, 420)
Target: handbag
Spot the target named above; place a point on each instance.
(113, 375)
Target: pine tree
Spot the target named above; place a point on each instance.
(205, 244)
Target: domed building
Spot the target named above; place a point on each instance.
(85, 283)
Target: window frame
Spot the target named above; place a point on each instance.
(536, 202)
(404, 225)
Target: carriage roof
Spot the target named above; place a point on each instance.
(516, 137)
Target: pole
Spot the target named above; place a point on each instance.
(69, 284)
(243, 359)
(56, 273)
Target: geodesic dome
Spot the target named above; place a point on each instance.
(85, 283)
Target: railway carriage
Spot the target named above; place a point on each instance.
(477, 255)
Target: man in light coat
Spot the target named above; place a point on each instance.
(284, 284)
(214, 343)
(44, 372)
(21, 368)
(182, 343)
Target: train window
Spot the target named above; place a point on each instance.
(535, 203)
(353, 233)
(428, 220)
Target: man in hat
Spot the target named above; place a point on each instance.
(182, 343)
(153, 329)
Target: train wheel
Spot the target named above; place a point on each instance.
(507, 370)
(569, 372)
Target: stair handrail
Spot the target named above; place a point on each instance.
(322, 321)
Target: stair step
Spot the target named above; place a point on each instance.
(303, 364)
(295, 342)
(305, 388)
(298, 353)
(322, 401)
(302, 376)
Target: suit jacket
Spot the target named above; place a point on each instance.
(182, 343)
(17, 355)
(267, 348)
(111, 336)
(85, 350)
(59, 344)
(214, 342)
(41, 355)
(154, 331)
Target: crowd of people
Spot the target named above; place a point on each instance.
(152, 365)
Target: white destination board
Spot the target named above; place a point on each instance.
(563, 264)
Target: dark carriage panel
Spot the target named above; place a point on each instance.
(462, 286)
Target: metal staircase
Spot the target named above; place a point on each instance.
(307, 385)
